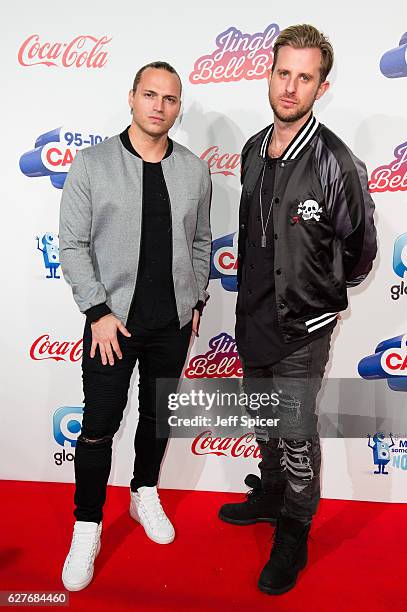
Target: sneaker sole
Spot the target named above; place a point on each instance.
(81, 585)
(155, 539)
(233, 521)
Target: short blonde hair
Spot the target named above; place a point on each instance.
(306, 36)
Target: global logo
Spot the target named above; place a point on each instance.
(67, 422)
(237, 56)
(54, 152)
(393, 63)
(389, 361)
(399, 266)
(224, 261)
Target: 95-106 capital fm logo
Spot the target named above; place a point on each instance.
(389, 362)
(393, 63)
(66, 425)
(54, 151)
(224, 261)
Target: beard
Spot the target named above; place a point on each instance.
(291, 116)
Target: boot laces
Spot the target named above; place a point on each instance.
(255, 495)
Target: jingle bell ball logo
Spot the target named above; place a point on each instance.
(393, 64)
(389, 361)
(54, 151)
(224, 261)
(83, 51)
(220, 361)
(391, 176)
(237, 56)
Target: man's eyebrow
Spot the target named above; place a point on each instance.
(164, 96)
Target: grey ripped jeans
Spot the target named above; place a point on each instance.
(291, 452)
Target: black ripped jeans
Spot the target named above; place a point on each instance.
(291, 453)
(161, 353)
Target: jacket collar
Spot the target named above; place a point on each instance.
(298, 143)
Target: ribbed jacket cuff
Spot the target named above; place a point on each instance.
(95, 313)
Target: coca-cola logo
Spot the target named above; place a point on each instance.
(237, 56)
(393, 176)
(42, 348)
(83, 51)
(221, 361)
(221, 163)
(245, 446)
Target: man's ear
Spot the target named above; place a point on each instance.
(323, 88)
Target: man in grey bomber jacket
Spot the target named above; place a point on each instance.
(135, 247)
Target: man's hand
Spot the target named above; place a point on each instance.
(104, 335)
(195, 322)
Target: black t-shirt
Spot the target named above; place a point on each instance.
(153, 305)
(258, 337)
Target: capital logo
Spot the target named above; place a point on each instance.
(220, 361)
(222, 163)
(237, 56)
(392, 176)
(67, 422)
(245, 446)
(389, 361)
(393, 63)
(50, 253)
(83, 51)
(54, 152)
(224, 261)
(42, 348)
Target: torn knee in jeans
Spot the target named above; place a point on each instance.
(298, 459)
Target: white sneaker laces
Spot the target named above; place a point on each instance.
(83, 549)
(151, 507)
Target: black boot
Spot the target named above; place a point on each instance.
(288, 556)
(261, 506)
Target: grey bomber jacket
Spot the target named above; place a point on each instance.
(100, 226)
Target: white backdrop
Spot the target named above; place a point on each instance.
(53, 78)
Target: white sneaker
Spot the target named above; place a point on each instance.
(78, 566)
(146, 508)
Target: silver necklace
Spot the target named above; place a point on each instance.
(263, 242)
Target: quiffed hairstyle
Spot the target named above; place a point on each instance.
(306, 36)
(160, 66)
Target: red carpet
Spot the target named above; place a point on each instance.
(358, 555)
